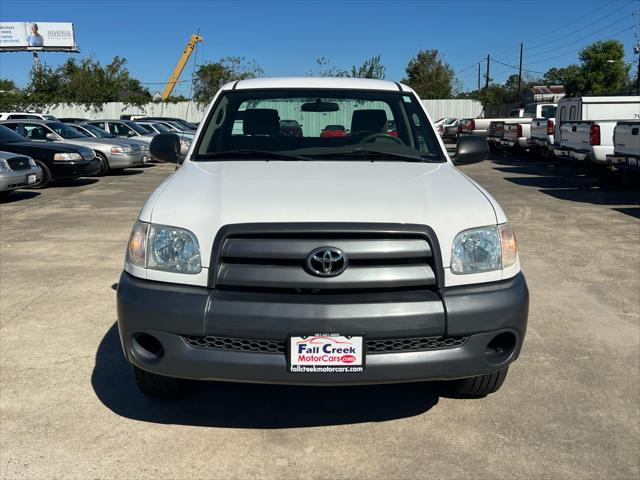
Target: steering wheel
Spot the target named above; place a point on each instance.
(374, 136)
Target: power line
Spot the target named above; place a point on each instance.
(585, 36)
(533, 47)
(513, 66)
(576, 51)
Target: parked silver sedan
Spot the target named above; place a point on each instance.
(93, 131)
(114, 154)
(17, 171)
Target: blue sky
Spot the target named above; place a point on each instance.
(285, 37)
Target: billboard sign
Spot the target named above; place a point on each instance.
(38, 36)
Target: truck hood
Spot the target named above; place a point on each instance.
(204, 196)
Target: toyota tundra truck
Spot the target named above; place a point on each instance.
(366, 258)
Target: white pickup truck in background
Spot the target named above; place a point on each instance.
(541, 139)
(626, 146)
(625, 107)
(480, 126)
(517, 132)
(590, 140)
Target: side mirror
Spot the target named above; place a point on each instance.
(52, 137)
(165, 147)
(131, 133)
(470, 149)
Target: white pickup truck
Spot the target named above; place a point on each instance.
(480, 126)
(590, 140)
(357, 259)
(575, 109)
(517, 133)
(626, 146)
(541, 139)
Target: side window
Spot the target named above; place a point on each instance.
(99, 125)
(13, 126)
(572, 113)
(119, 129)
(23, 117)
(563, 113)
(34, 131)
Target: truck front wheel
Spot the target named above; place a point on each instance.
(479, 386)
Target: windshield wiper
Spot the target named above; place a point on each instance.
(248, 152)
(379, 153)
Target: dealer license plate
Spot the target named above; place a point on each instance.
(326, 353)
(31, 179)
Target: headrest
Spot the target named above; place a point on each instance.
(368, 121)
(261, 121)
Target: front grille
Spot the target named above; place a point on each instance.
(274, 261)
(373, 346)
(19, 163)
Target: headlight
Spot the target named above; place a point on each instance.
(185, 142)
(32, 162)
(67, 156)
(162, 247)
(122, 149)
(144, 147)
(484, 249)
(4, 166)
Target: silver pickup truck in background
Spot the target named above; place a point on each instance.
(480, 126)
(626, 146)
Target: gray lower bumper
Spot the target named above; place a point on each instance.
(125, 160)
(11, 180)
(168, 312)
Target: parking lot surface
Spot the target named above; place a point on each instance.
(570, 407)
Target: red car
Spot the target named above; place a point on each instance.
(333, 131)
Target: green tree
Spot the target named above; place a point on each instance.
(429, 75)
(602, 66)
(370, 68)
(570, 77)
(210, 76)
(85, 81)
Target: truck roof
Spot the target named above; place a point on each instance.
(605, 99)
(316, 82)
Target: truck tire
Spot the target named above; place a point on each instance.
(158, 386)
(479, 386)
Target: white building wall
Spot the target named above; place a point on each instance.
(193, 112)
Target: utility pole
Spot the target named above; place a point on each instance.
(478, 75)
(36, 62)
(486, 83)
(520, 73)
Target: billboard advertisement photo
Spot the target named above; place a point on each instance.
(52, 36)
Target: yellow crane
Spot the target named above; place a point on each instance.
(181, 63)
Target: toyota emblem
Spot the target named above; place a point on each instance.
(327, 262)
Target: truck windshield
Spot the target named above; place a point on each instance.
(378, 126)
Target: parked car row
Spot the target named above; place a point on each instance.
(601, 130)
(37, 148)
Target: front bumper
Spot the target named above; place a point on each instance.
(13, 179)
(125, 160)
(170, 312)
(74, 169)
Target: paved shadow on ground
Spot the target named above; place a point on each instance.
(573, 182)
(76, 182)
(126, 171)
(236, 405)
(17, 195)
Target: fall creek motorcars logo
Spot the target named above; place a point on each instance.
(327, 262)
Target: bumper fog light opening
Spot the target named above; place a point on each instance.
(500, 348)
(146, 347)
